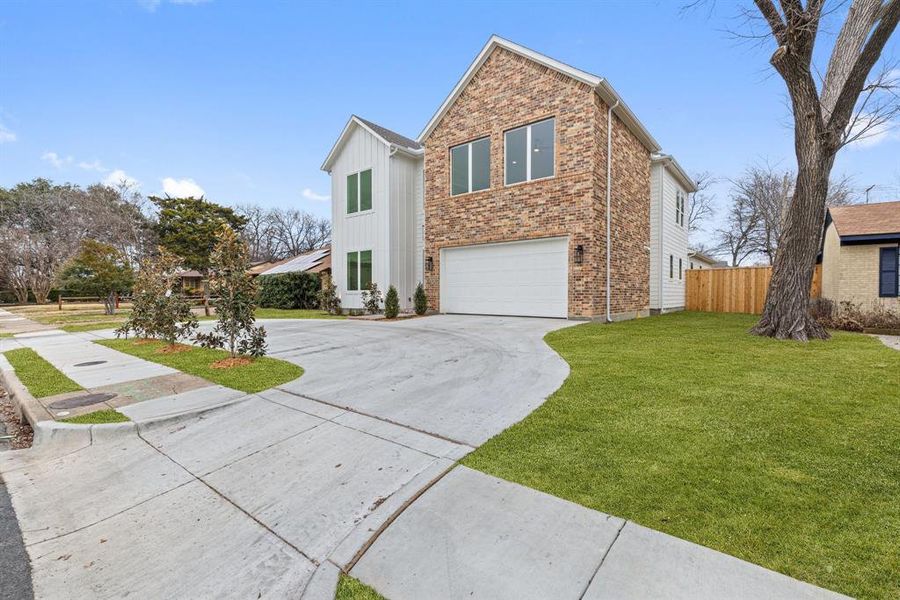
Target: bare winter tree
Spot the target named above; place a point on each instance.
(275, 234)
(847, 105)
(701, 201)
(739, 236)
(257, 232)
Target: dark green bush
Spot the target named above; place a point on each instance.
(289, 290)
(391, 303)
(420, 300)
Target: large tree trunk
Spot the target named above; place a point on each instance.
(786, 311)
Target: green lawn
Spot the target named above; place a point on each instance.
(261, 374)
(783, 454)
(98, 416)
(300, 313)
(352, 589)
(92, 326)
(5, 335)
(40, 377)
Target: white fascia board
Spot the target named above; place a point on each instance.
(342, 139)
(675, 168)
(610, 96)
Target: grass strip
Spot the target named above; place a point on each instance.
(40, 377)
(107, 415)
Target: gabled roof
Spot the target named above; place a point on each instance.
(310, 261)
(385, 135)
(882, 218)
(680, 174)
(599, 84)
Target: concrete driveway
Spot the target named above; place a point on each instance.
(464, 378)
(268, 495)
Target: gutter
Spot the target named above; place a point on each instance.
(609, 124)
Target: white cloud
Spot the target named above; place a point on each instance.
(182, 188)
(94, 165)
(56, 160)
(6, 136)
(119, 177)
(311, 195)
(875, 133)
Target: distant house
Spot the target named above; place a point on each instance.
(191, 281)
(699, 260)
(317, 261)
(860, 254)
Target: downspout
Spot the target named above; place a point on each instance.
(609, 124)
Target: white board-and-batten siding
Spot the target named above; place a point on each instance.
(389, 229)
(667, 238)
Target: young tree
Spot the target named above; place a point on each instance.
(846, 107)
(235, 302)
(189, 228)
(391, 303)
(371, 298)
(328, 299)
(98, 270)
(420, 300)
(157, 311)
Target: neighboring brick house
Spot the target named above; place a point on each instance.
(512, 217)
(860, 260)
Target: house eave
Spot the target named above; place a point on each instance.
(668, 161)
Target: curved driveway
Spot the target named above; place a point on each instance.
(465, 378)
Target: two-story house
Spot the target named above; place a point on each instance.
(533, 190)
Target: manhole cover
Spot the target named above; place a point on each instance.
(83, 400)
(91, 363)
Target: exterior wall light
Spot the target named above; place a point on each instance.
(579, 254)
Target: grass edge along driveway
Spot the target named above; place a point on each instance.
(261, 374)
(40, 377)
(780, 453)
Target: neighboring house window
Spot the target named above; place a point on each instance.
(359, 191)
(671, 266)
(679, 269)
(529, 152)
(692, 264)
(359, 270)
(887, 273)
(470, 167)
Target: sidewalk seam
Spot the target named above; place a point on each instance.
(603, 559)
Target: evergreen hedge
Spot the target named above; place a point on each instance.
(289, 290)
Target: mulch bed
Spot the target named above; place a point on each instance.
(230, 363)
(21, 432)
(174, 349)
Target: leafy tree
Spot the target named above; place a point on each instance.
(98, 270)
(371, 298)
(157, 311)
(420, 300)
(328, 299)
(235, 303)
(391, 303)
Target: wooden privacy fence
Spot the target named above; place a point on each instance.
(737, 290)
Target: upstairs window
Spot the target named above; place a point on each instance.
(679, 208)
(530, 152)
(470, 167)
(359, 191)
(359, 270)
(888, 286)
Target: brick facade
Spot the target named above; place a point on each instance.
(509, 91)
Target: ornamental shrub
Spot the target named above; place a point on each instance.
(391, 303)
(371, 298)
(328, 300)
(420, 300)
(288, 290)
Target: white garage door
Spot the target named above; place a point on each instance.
(518, 278)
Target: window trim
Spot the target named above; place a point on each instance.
(887, 251)
(468, 146)
(359, 193)
(527, 128)
(358, 253)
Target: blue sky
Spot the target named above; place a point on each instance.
(244, 99)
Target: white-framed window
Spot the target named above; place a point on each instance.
(359, 191)
(671, 266)
(470, 167)
(359, 270)
(530, 152)
(679, 208)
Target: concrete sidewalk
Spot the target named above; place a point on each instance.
(475, 536)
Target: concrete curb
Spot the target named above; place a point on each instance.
(27, 406)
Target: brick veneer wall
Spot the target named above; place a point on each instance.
(859, 272)
(509, 91)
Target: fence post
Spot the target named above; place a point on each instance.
(59, 301)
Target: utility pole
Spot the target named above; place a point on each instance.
(869, 189)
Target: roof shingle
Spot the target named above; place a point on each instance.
(866, 219)
(392, 137)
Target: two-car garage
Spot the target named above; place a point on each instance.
(526, 278)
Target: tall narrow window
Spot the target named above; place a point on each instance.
(887, 273)
(680, 271)
(470, 167)
(359, 191)
(359, 270)
(671, 266)
(530, 152)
